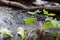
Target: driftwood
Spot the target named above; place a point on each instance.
(20, 5)
(17, 4)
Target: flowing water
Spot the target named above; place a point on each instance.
(12, 20)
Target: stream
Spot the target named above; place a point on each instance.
(13, 19)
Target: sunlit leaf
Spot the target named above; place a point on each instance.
(51, 14)
(47, 25)
(37, 11)
(30, 20)
(45, 12)
(33, 13)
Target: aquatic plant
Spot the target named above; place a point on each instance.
(30, 20)
(35, 12)
(47, 13)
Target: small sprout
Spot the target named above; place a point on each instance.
(30, 20)
(51, 14)
(48, 19)
(45, 12)
(33, 13)
(37, 11)
(5, 32)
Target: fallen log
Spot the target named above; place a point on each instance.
(20, 5)
(17, 4)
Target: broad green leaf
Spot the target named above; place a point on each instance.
(47, 25)
(45, 12)
(30, 20)
(51, 14)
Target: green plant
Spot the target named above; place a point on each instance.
(54, 22)
(30, 20)
(47, 25)
(51, 23)
(35, 12)
(47, 13)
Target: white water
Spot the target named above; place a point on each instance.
(12, 20)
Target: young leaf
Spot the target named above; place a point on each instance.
(30, 20)
(33, 13)
(51, 14)
(47, 25)
(37, 11)
(45, 12)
